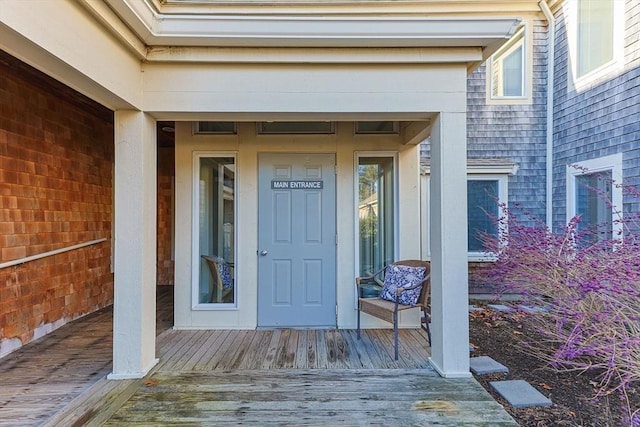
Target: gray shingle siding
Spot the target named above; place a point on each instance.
(516, 132)
(599, 120)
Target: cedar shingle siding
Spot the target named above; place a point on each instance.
(56, 163)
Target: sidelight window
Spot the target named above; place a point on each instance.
(376, 213)
(216, 230)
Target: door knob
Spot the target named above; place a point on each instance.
(263, 253)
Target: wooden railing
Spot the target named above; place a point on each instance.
(50, 253)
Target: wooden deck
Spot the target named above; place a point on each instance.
(257, 377)
(287, 377)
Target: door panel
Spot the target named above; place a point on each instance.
(296, 268)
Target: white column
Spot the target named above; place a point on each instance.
(448, 231)
(134, 313)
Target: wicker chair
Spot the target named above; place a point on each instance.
(221, 280)
(388, 310)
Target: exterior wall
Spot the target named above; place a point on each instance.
(600, 119)
(166, 174)
(247, 146)
(56, 163)
(514, 132)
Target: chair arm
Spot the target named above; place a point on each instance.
(408, 288)
(359, 280)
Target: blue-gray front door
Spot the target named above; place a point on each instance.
(297, 240)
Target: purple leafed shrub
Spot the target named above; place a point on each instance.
(588, 287)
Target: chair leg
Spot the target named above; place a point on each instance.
(425, 325)
(358, 334)
(395, 333)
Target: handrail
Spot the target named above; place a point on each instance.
(50, 253)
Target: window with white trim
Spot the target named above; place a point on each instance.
(487, 193)
(507, 69)
(485, 196)
(595, 35)
(376, 212)
(593, 196)
(214, 239)
(595, 29)
(482, 211)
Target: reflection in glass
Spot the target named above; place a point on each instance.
(593, 205)
(482, 211)
(217, 230)
(375, 213)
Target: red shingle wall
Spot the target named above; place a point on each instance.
(165, 215)
(56, 165)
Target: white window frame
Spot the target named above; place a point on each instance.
(196, 305)
(582, 82)
(356, 216)
(611, 163)
(503, 196)
(487, 172)
(522, 37)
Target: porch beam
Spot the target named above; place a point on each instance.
(448, 231)
(294, 55)
(134, 313)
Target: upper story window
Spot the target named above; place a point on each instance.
(595, 31)
(507, 71)
(593, 196)
(595, 35)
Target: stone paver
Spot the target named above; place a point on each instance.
(531, 309)
(482, 365)
(520, 394)
(500, 307)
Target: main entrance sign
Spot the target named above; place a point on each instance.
(297, 185)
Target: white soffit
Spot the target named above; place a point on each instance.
(181, 29)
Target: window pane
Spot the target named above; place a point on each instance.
(512, 73)
(215, 127)
(507, 68)
(377, 127)
(375, 212)
(482, 209)
(595, 34)
(295, 127)
(593, 199)
(217, 230)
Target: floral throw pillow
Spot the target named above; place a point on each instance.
(401, 276)
(225, 273)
